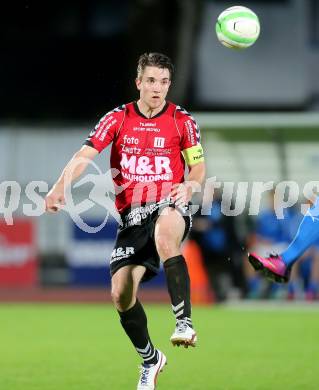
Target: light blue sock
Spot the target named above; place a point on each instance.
(307, 235)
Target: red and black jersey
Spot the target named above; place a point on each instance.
(146, 152)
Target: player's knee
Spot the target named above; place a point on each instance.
(166, 247)
(121, 299)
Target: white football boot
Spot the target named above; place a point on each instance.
(184, 334)
(149, 373)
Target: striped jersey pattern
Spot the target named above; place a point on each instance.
(183, 111)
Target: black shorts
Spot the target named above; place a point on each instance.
(135, 242)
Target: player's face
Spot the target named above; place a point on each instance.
(153, 86)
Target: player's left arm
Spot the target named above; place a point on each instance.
(193, 154)
(182, 193)
(196, 174)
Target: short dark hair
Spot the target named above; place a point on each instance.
(154, 59)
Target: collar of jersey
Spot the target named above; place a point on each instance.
(138, 112)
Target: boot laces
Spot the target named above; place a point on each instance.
(181, 325)
(144, 371)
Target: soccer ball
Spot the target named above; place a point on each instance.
(237, 27)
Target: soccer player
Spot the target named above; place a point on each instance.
(277, 267)
(152, 139)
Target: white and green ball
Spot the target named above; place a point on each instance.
(237, 27)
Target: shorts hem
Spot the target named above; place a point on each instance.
(150, 272)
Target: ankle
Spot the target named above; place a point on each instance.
(154, 360)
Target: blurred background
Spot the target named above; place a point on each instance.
(65, 64)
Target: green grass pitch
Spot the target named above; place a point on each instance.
(83, 347)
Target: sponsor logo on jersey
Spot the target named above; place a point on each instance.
(191, 125)
(148, 178)
(156, 151)
(190, 132)
(131, 149)
(105, 128)
(142, 165)
(159, 142)
(121, 253)
(130, 140)
(147, 126)
(103, 125)
(146, 169)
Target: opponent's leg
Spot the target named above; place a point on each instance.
(125, 284)
(313, 288)
(169, 231)
(307, 235)
(277, 267)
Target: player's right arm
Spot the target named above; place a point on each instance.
(74, 168)
(102, 135)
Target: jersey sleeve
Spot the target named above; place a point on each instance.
(190, 140)
(104, 132)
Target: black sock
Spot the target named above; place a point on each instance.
(178, 284)
(134, 322)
